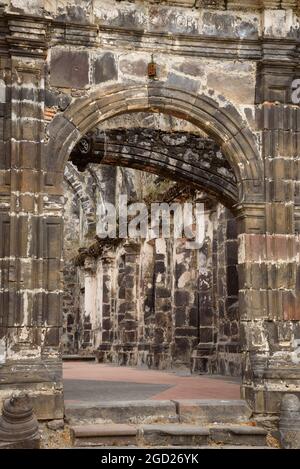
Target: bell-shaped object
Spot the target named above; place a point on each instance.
(18, 423)
(289, 423)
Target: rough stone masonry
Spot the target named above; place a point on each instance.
(225, 67)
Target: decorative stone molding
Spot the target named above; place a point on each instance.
(98, 249)
(164, 151)
(27, 37)
(261, 147)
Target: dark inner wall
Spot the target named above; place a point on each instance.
(195, 325)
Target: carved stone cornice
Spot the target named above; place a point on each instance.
(158, 42)
(31, 35)
(99, 249)
(180, 44)
(26, 35)
(243, 4)
(90, 266)
(251, 217)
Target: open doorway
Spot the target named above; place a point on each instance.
(150, 304)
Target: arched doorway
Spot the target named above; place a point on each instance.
(225, 125)
(258, 134)
(191, 294)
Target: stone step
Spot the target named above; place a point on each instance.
(180, 434)
(148, 411)
(103, 435)
(122, 411)
(81, 358)
(167, 435)
(195, 435)
(244, 435)
(212, 411)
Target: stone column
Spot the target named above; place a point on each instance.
(269, 248)
(147, 305)
(5, 75)
(128, 325)
(89, 309)
(208, 263)
(31, 233)
(268, 309)
(228, 359)
(164, 330)
(108, 326)
(232, 350)
(186, 298)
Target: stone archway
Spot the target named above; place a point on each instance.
(210, 298)
(225, 125)
(31, 327)
(180, 156)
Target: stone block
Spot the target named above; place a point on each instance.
(232, 281)
(182, 82)
(69, 68)
(174, 435)
(56, 424)
(103, 435)
(211, 411)
(123, 412)
(239, 435)
(181, 298)
(105, 68)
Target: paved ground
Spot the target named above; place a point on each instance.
(89, 381)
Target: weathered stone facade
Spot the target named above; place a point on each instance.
(227, 67)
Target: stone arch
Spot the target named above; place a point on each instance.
(203, 180)
(200, 160)
(224, 124)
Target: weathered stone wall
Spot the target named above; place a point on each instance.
(4, 233)
(227, 291)
(224, 357)
(71, 296)
(225, 66)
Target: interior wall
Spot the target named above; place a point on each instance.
(152, 303)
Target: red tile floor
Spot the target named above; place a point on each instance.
(89, 380)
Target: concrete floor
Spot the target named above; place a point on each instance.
(89, 381)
